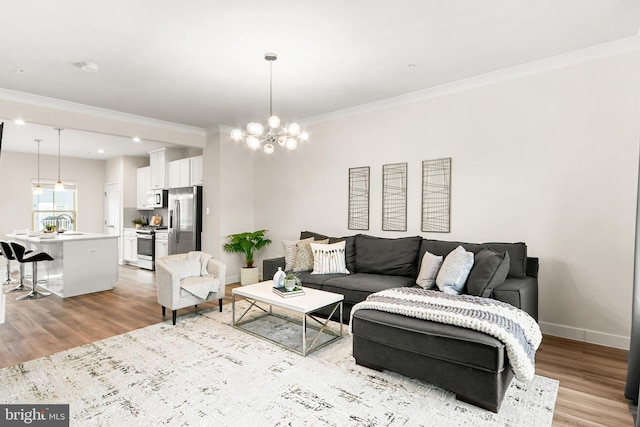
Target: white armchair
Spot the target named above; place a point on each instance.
(189, 279)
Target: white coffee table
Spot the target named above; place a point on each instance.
(305, 305)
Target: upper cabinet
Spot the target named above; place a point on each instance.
(143, 185)
(196, 170)
(185, 172)
(159, 162)
(179, 171)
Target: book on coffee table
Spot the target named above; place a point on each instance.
(283, 292)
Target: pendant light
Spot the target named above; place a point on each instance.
(38, 189)
(59, 185)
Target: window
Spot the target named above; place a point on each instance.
(54, 205)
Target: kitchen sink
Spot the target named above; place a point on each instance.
(72, 233)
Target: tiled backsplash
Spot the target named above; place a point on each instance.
(130, 213)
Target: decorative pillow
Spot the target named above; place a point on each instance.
(304, 257)
(329, 259)
(290, 249)
(204, 261)
(517, 257)
(490, 269)
(428, 270)
(454, 271)
(349, 250)
(517, 252)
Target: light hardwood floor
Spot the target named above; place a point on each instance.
(591, 377)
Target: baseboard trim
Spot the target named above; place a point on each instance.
(593, 337)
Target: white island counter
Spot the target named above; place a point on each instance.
(83, 262)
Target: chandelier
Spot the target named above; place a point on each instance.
(285, 136)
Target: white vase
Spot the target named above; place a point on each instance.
(249, 276)
(278, 278)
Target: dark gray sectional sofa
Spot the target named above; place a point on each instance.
(471, 364)
(378, 263)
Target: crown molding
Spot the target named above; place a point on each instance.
(58, 104)
(218, 129)
(555, 62)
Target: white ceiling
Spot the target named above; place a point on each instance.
(201, 62)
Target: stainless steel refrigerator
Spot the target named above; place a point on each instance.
(185, 219)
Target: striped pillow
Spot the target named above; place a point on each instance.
(329, 259)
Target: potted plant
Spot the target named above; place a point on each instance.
(137, 222)
(247, 243)
(49, 228)
(291, 281)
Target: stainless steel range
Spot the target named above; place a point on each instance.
(146, 247)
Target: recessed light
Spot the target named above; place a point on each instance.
(101, 151)
(18, 122)
(136, 139)
(89, 67)
(412, 65)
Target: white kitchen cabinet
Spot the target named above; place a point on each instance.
(196, 165)
(179, 173)
(162, 244)
(185, 172)
(159, 162)
(143, 185)
(158, 169)
(130, 246)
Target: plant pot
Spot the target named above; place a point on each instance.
(249, 276)
(289, 284)
(138, 225)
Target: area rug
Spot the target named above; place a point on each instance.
(205, 372)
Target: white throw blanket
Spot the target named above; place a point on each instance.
(514, 327)
(201, 285)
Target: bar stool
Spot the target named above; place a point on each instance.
(19, 251)
(9, 257)
(9, 254)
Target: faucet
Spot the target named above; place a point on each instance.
(57, 219)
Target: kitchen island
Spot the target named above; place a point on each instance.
(82, 262)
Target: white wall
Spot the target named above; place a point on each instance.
(550, 159)
(228, 175)
(17, 170)
(130, 167)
